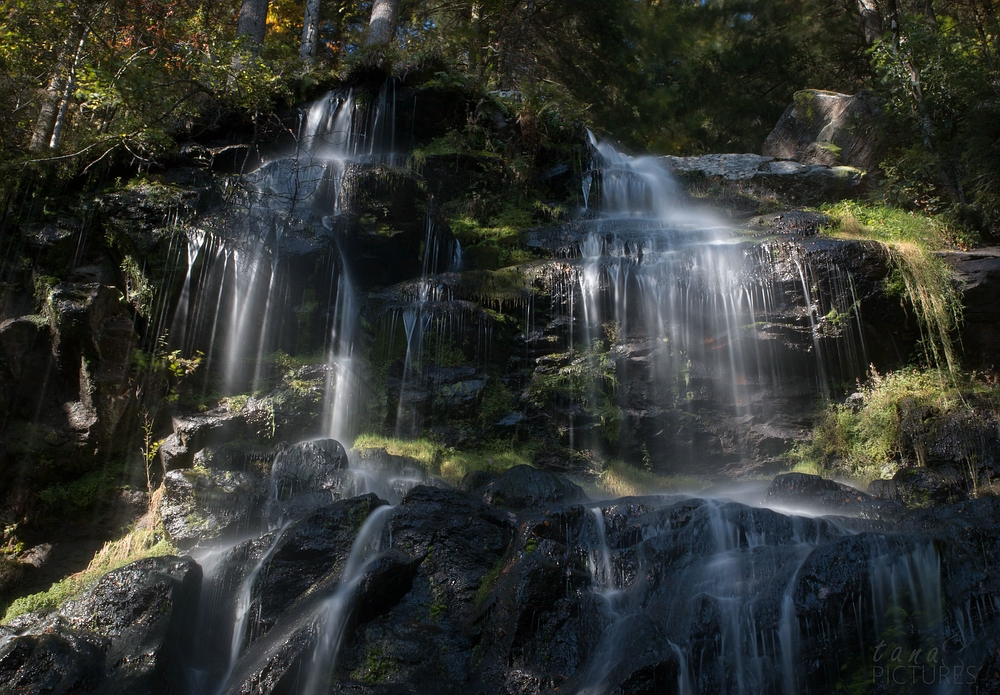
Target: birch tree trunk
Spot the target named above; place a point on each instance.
(67, 96)
(310, 33)
(58, 87)
(382, 27)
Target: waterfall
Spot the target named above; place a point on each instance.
(652, 266)
(244, 276)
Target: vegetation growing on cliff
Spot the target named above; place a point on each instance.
(872, 435)
(919, 275)
(146, 539)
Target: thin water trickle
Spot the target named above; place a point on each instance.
(336, 610)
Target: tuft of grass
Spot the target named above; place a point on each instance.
(449, 463)
(146, 539)
(620, 479)
(489, 582)
(423, 450)
(911, 240)
(456, 464)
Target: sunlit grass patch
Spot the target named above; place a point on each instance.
(918, 273)
(862, 440)
(424, 451)
(146, 539)
(449, 463)
(620, 479)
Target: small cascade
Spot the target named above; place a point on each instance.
(601, 569)
(343, 385)
(335, 611)
(246, 277)
(244, 604)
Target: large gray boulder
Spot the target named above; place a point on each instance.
(799, 183)
(827, 128)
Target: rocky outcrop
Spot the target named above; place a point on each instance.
(65, 383)
(804, 184)
(193, 433)
(634, 595)
(977, 274)
(524, 487)
(828, 128)
(130, 633)
(813, 494)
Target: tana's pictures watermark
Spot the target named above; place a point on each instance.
(896, 666)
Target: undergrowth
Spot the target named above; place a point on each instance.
(862, 439)
(447, 462)
(146, 539)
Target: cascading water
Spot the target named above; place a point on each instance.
(727, 608)
(245, 273)
(336, 610)
(655, 270)
(722, 588)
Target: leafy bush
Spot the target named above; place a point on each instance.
(862, 439)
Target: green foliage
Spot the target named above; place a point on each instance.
(86, 493)
(489, 582)
(496, 402)
(937, 77)
(138, 289)
(589, 378)
(862, 440)
(450, 463)
(493, 457)
(426, 452)
(620, 479)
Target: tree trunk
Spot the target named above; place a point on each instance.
(59, 83)
(42, 134)
(872, 26)
(310, 33)
(67, 95)
(382, 27)
(253, 20)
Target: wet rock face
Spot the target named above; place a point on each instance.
(130, 633)
(802, 183)
(977, 274)
(201, 504)
(524, 487)
(816, 494)
(635, 596)
(67, 369)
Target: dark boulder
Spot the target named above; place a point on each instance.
(200, 504)
(307, 467)
(130, 633)
(524, 487)
(308, 551)
(811, 492)
(195, 432)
